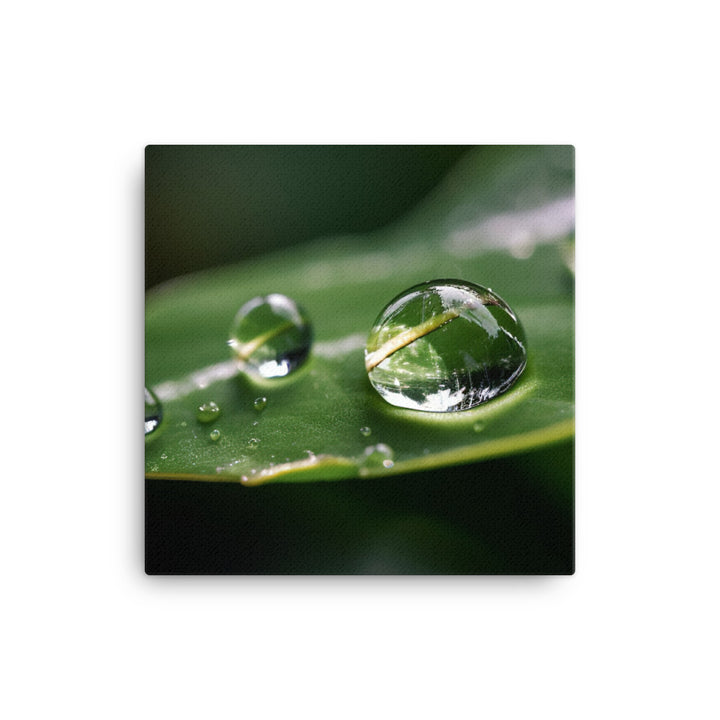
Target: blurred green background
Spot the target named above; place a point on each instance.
(211, 205)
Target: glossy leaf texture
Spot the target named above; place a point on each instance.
(503, 218)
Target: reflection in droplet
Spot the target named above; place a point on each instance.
(153, 412)
(272, 335)
(208, 411)
(443, 346)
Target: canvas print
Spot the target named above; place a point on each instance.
(359, 360)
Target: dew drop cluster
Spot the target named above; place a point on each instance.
(440, 346)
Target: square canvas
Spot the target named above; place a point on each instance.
(359, 360)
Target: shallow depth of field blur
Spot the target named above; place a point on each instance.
(213, 206)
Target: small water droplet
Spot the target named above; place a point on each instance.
(260, 403)
(376, 457)
(208, 411)
(164, 456)
(253, 443)
(215, 435)
(183, 424)
(255, 423)
(444, 346)
(153, 412)
(154, 467)
(272, 335)
(365, 431)
(479, 426)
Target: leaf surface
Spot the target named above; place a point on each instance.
(503, 218)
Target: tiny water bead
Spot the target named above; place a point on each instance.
(253, 443)
(208, 411)
(272, 335)
(215, 435)
(153, 412)
(260, 403)
(376, 457)
(365, 431)
(444, 346)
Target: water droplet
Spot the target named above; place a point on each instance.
(207, 412)
(443, 346)
(153, 412)
(272, 335)
(164, 456)
(376, 457)
(154, 467)
(365, 431)
(255, 423)
(253, 443)
(215, 435)
(260, 403)
(479, 426)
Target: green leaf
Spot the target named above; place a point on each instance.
(503, 219)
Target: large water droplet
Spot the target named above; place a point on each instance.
(272, 335)
(153, 412)
(445, 345)
(208, 411)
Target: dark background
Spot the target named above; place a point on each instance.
(508, 516)
(210, 205)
